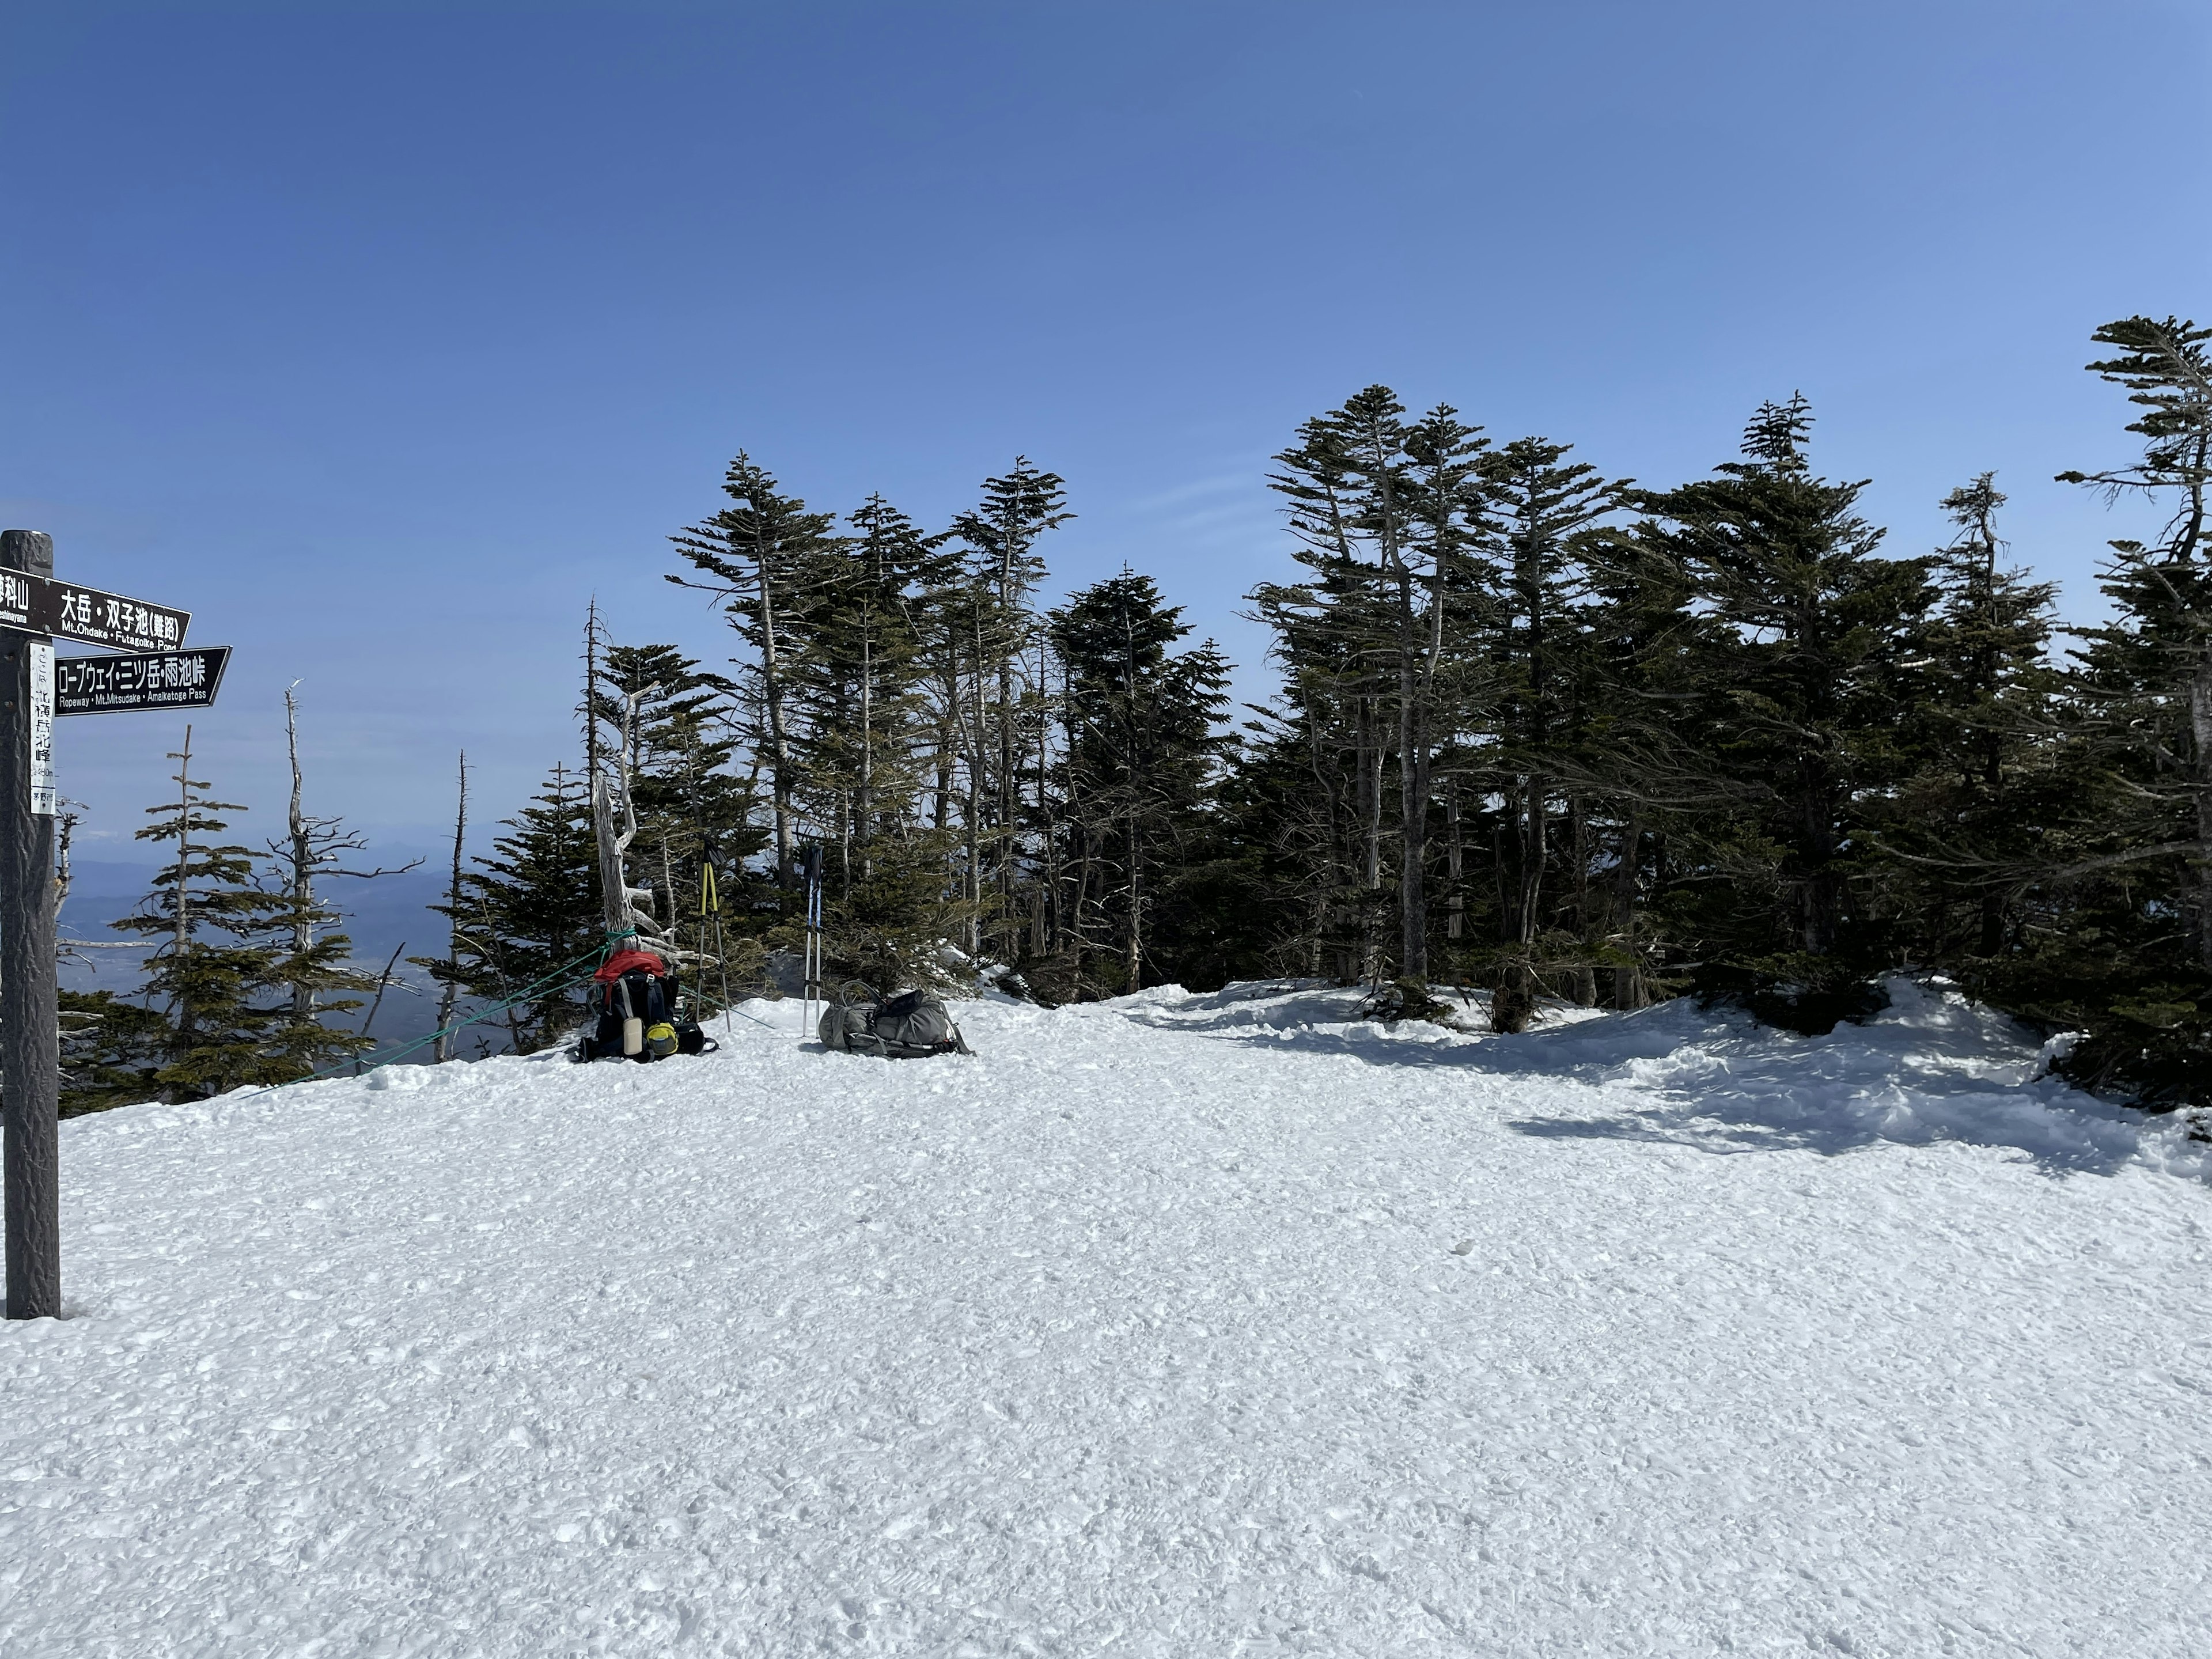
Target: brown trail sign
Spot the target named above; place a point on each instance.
(35, 607)
(37, 603)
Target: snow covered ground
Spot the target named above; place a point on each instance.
(1177, 1326)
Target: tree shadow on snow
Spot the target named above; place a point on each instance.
(1930, 1067)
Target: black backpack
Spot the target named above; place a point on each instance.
(639, 1008)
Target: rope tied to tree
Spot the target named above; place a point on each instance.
(560, 979)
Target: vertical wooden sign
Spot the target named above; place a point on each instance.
(43, 791)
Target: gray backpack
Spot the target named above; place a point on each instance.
(909, 1026)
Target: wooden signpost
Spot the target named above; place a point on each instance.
(34, 609)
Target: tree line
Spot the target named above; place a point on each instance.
(1541, 734)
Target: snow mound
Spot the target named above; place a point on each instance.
(1175, 1326)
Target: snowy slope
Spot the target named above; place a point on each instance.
(1178, 1325)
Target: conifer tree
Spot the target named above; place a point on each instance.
(1971, 822)
(765, 553)
(1539, 655)
(1384, 513)
(1801, 700)
(687, 800)
(226, 1009)
(1140, 744)
(872, 745)
(530, 909)
(2133, 969)
(1001, 534)
(111, 1048)
(445, 971)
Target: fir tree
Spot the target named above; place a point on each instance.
(1140, 746)
(1971, 821)
(1384, 513)
(1001, 534)
(531, 910)
(2131, 965)
(1801, 696)
(110, 1049)
(766, 553)
(872, 747)
(226, 1011)
(1539, 655)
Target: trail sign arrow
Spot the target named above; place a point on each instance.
(36, 603)
(141, 680)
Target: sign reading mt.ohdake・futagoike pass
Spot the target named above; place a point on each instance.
(39, 604)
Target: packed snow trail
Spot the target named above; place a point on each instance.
(1178, 1325)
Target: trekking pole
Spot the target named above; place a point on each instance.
(710, 906)
(812, 962)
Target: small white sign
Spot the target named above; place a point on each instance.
(42, 729)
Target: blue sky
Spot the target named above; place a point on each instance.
(383, 337)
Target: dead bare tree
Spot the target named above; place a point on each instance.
(442, 1050)
(312, 847)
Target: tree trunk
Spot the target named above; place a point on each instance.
(779, 780)
(1629, 990)
(181, 940)
(302, 860)
(1821, 896)
(1134, 980)
(448, 994)
(1412, 833)
(2199, 720)
(867, 802)
(1455, 866)
(1534, 850)
(1578, 842)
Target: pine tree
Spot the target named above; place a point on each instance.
(1384, 514)
(2131, 966)
(531, 910)
(226, 1008)
(110, 1050)
(872, 745)
(1001, 534)
(1801, 697)
(1140, 748)
(766, 553)
(692, 808)
(1970, 822)
(1539, 650)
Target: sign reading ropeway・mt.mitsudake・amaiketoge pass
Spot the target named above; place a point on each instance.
(151, 679)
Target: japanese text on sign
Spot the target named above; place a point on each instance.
(43, 789)
(160, 680)
(41, 605)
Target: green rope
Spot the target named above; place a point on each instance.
(565, 976)
(560, 979)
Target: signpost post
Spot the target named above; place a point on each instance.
(33, 688)
(30, 1026)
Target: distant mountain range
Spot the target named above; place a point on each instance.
(382, 916)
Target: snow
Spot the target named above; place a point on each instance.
(1176, 1326)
